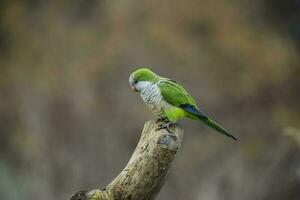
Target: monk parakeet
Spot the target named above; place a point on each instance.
(168, 100)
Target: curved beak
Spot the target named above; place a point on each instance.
(134, 89)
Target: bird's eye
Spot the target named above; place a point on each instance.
(135, 82)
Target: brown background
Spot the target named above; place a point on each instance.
(68, 119)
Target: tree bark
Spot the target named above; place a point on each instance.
(147, 169)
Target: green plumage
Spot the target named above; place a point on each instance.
(177, 96)
(174, 93)
(179, 103)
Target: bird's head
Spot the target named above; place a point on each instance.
(141, 78)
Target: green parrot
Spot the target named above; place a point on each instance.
(168, 100)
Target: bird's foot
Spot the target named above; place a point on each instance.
(161, 120)
(166, 126)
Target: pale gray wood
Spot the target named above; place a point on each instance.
(147, 169)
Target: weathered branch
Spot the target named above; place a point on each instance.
(147, 169)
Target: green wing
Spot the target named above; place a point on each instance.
(175, 94)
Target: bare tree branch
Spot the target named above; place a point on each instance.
(147, 169)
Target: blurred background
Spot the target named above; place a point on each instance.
(68, 119)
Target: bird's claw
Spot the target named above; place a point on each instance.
(162, 119)
(166, 126)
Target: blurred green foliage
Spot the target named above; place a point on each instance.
(68, 119)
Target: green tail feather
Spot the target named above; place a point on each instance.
(216, 126)
(196, 113)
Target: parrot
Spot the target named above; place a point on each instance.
(168, 100)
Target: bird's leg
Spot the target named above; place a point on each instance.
(161, 119)
(166, 126)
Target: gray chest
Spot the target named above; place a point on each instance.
(153, 99)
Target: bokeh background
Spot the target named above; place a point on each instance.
(68, 119)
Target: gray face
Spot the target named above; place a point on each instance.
(133, 83)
